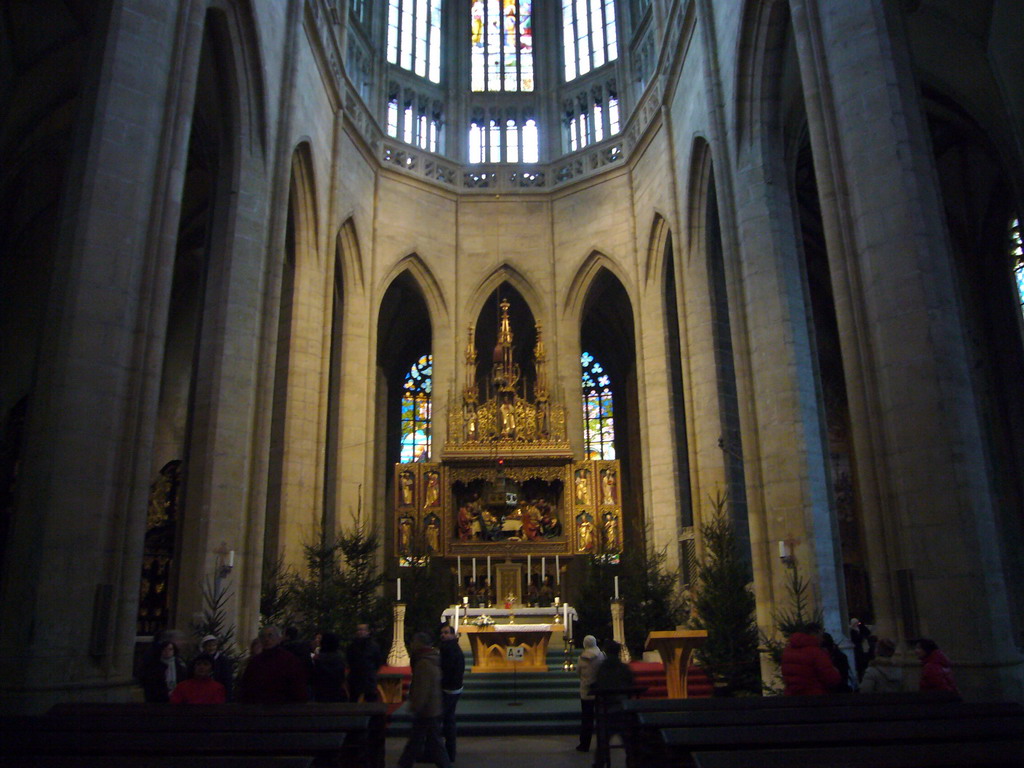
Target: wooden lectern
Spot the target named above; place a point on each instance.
(675, 648)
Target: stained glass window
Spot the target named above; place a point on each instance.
(589, 37)
(1017, 258)
(414, 36)
(501, 41)
(598, 414)
(416, 411)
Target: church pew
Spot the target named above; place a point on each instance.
(682, 743)
(972, 754)
(154, 761)
(353, 730)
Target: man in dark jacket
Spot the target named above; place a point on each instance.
(328, 677)
(223, 666)
(806, 667)
(425, 706)
(364, 659)
(275, 676)
(453, 668)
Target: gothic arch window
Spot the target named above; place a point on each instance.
(416, 411)
(1017, 258)
(589, 36)
(501, 45)
(598, 410)
(414, 37)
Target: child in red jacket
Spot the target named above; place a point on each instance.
(201, 688)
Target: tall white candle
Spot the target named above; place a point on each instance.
(474, 571)
(488, 570)
(558, 571)
(568, 626)
(457, 609)
(231, 559)
(616, 587)
(529, 563)
(543, 569)
(459, 588)
(398, 596)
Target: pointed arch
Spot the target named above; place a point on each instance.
(243, 61)
(506, 273)
(758, 73)
(661, 232)
(697, 193)
(350, 256)
(582, 281)
(425, 281)
(302, 201)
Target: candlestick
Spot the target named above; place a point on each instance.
(398, 596)
(616, 587)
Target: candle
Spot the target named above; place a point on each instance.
(474, 571)
(543, 569)
(465, 602)
(488, 570)
(557, 601)
(529, 563)
(568, 626)
(460, 573)
(616, 587)
(558, 571)
(456, 627)
(231, 559)
(398, 597)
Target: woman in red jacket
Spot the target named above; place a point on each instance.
(936, 668)
(807, 669)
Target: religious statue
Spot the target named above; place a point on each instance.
(587, 533)
(405, 525)
(508, 419)
(530, 524)
(464, 524)
(612, 541)
(550, 527)
(582, 486)
(406, 481)
(607, 486)
(433, 532)
(433, 489)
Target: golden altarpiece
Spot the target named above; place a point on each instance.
(507, 488)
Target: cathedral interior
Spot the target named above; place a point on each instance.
(270, 266)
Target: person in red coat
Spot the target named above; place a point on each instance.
(275, 676)
(807, 669)
(201, 688)
(936, 668)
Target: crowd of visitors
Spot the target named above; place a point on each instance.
(812, 664)
(278, 669)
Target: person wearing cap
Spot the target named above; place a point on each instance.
(223, 666)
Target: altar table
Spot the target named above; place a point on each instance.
(676, 648)
(490, 644)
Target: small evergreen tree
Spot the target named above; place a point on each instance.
(592, 602)
(651, 596)
(361, 599)
(275, 594)
(214, 617)
(725, 608)
(317, 598)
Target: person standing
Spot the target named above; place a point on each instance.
(201, 688)
(425, 704)
(863, 646)
(364, 659)
(840, 661)
(223, 666)
(275, 676)
(161, 672)
(586, 667)
(453, 669)
(328, 677)
(806, 667)
(882, 675)
(936, 668)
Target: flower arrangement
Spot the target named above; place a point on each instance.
(483, 621)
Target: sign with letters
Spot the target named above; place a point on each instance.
(517, 653)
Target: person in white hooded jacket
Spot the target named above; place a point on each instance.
(586, 667)
(882, 674)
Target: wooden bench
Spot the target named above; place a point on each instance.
(326, 732)
(682, 743)
(152, 761)
(997, 754)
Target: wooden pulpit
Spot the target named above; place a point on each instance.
(676, 647)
